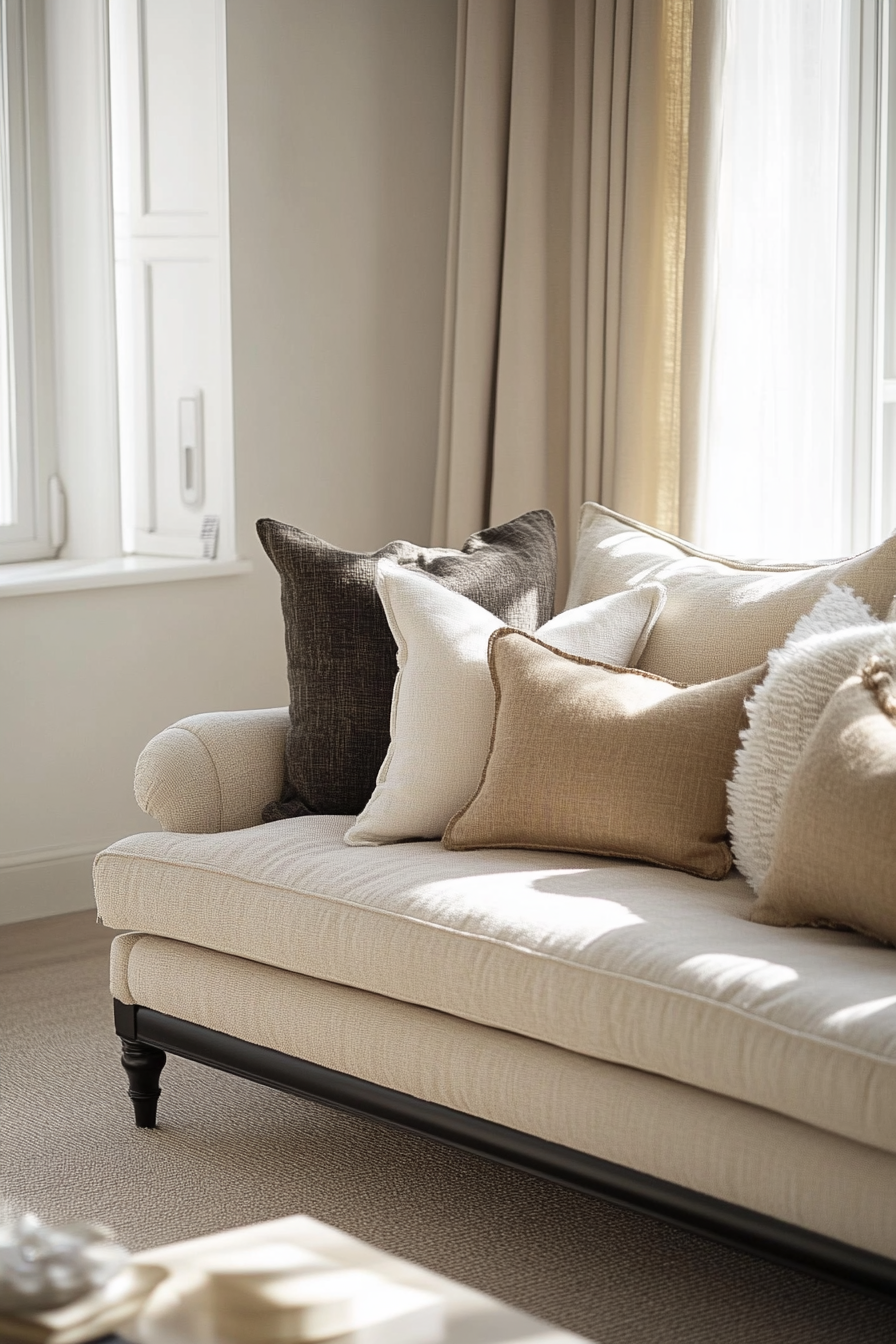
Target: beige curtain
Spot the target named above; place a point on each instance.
(566, 272)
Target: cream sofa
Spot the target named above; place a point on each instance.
(621, 1028)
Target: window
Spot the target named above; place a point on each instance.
(172, 268)
(30, 527)
(800, 456)
(115, 355)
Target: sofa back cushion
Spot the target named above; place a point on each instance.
(721, 616)
(604, 760)
(341, 657)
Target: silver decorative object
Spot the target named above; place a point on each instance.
(43, 1267)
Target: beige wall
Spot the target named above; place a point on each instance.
(340, 128)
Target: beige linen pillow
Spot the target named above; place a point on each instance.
(721, 615)
(603, 760)
(834, 861)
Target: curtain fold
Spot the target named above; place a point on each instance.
(701, 261)
(571, 185)
(475, 251)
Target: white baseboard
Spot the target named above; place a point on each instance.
(46, 882)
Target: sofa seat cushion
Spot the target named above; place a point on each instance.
(616, 960)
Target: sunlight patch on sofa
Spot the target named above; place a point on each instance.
(725, 971)
(857, 1012)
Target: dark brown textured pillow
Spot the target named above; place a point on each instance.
(341, 655)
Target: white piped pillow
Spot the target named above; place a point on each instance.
(444, 703)
(825, 647)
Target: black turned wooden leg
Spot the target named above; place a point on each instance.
(143, 1064)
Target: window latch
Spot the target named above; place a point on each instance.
(192, 486)
(57, 514)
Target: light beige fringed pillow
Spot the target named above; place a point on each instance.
(834, 861)
(721, 615)
(604, 760)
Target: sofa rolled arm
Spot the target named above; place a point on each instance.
(213, 772)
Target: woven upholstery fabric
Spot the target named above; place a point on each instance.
(834, 860)
(443, 702)
(603, 760)
(341, 656)
(721, 616)
(736, 1152)
(213, 772)
(636, 965)
(825, 647)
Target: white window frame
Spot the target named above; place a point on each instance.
(869, 142)
(155, 237)
(27, 320)
(864, 139)
(879, 201)
(73, 386)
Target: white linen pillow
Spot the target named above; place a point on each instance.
(825, 647)
(444, 703)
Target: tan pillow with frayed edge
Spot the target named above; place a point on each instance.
(834, 861)
(721, 615)
(595, 759)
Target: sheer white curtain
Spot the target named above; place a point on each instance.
(772, 460)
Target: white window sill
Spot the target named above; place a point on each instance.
(62, 576)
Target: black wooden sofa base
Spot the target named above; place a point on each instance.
(146, 1035)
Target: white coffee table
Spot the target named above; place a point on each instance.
(470, 1317)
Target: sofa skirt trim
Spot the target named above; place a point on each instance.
(147, 1034)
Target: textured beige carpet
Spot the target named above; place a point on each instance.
(230, 1152)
